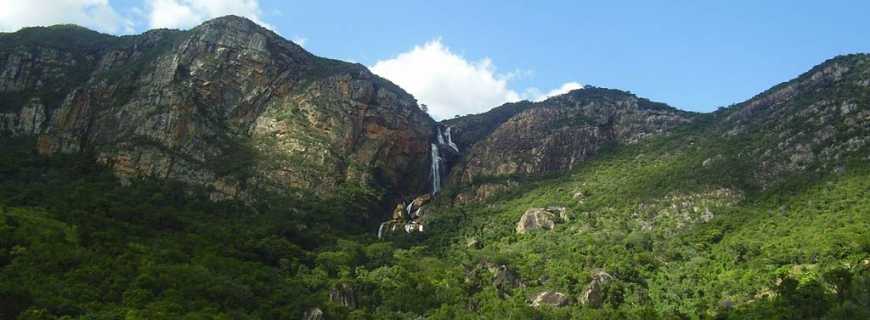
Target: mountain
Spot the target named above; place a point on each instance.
(224, 172)
(555, 135)
(228, 105)
(810, 123)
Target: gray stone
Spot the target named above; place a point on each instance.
(550, 298)
(313, 314)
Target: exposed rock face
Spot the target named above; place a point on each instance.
(421, 201)
(818, 121)
(227, 105)
(535, 139)
(313, 314)
(550, 298)
(676, 211)
(541, 218)
(483, 191)
(593, 294)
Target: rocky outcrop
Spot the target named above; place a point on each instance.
(481, 192)
(675, 211)
(536, 139)
(550, 298)
(541, 219)
(343, 295)
(406, 217)
(593, 293)
(421, 201)
(500, 276)
(535, 219)
(313, 314)
(505, 279)
(228, 105)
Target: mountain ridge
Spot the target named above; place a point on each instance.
(228, 80)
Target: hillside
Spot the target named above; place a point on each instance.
(755, 211)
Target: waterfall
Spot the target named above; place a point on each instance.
(381, 230)
(436, 169)
(450, 140)
(440, 136)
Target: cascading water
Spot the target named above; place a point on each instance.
(413, 212)
(436, 169)
(450, 140)
(381, 230)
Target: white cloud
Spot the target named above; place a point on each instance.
(536, 95)
(96, 14)
(184, 14)
(449, 84)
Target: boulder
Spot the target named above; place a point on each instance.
(550, 298)
(313, 314)
(473, 243)
(534, 219)
(421, 201)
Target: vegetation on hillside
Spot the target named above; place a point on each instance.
(76, 245)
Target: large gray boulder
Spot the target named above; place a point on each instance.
(550, 298)
(541, 218)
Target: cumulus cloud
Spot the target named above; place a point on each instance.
(184, 14)
(535, 94)
(95, 14)
(451, 85)
(446, 82)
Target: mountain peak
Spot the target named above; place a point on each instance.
(233, 22)
(229, 20)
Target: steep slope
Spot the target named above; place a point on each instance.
(470, 129)
(809, 125)
(536, 139)
(228, 105)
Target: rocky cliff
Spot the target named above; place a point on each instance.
(227, 105)
(536, 139)
(815, 123)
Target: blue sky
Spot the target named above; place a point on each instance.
(695, 55)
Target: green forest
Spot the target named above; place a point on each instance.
(78, 243)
